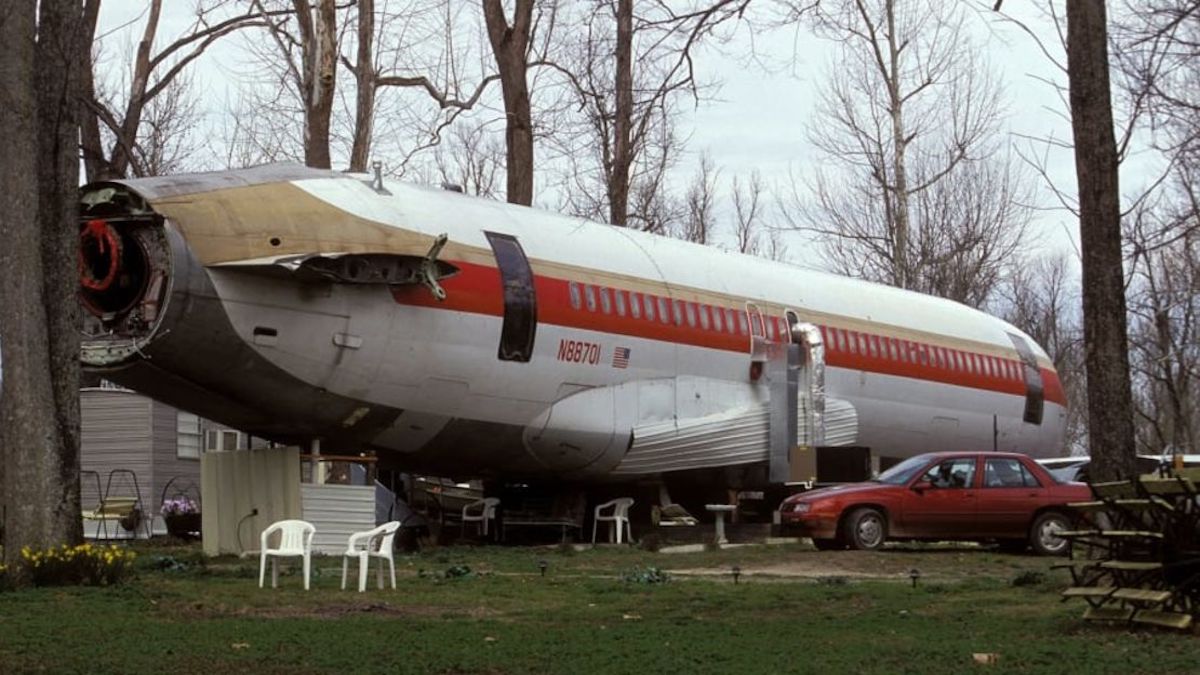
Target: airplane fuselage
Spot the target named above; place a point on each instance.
(292, 304)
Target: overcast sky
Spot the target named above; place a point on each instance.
(756, 119)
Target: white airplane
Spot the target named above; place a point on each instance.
(467, 337)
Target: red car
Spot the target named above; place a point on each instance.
(999, 496)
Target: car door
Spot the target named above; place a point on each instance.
(941, 503)
(1008, 497)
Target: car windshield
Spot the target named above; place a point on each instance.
(904, 471)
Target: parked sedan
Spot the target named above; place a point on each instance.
(999, 496)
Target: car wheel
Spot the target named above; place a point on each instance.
(1043, 536)
(828, 544)
(866, 529)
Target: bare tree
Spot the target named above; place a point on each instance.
(41, 67)
(626, 71)
(920, 192)
(1159, 56)
(700, 219)
(1164, 314)
(1039, 296)
(1110, 404)
(471, 159)
(116, 114)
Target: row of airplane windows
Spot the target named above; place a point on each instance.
(734, 322)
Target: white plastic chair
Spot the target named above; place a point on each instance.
(480, 511)
(295, 541)
(618, 519)
(375, 543)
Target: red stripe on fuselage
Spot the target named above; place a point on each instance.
(477, 289)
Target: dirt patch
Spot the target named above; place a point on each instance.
(940, 564)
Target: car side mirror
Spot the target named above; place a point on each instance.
(921, 486)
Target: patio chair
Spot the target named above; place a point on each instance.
(480, 511)
(618, 519)
(374, 543)
(295, 541)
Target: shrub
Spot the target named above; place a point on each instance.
(1029, 578)
(85, 564)
(647, 575)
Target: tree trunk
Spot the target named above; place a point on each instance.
(122, 155)
(618, 179)
(509, 45)
(95, 161)
(1110, 405)
(364, 72)
(39, 406)
(321, 65)
(902, 278)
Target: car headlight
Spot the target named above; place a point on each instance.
(800, 507)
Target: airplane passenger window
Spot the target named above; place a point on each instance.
(730, 321)
(705, 322)
(862, 343)
(716, 319)
(891, 345)
(743, 324)
(619, 301)
(664, 312)
(605, 301)
(691, 314)
(903, 346)
(853, 340)
(649, 299)
(974, 364)
(677, 306)
(589, 294)
(771, 328)
(873, 345)
(958, 360)
(576, 297)
(831, 338)
(635, 305)
(923, 354)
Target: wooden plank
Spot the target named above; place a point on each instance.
(1164, 619)
(1089, 591)
(1141, 595)
(1130, 566)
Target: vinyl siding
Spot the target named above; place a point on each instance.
(116, 434)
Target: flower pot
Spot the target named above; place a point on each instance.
(183, 525)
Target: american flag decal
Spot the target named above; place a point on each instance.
(621, 357)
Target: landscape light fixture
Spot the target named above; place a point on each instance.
(542, 565)
(737, 572)
(914, 574)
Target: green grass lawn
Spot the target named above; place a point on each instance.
(582, 617)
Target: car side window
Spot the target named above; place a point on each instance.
(1006, 473)
(1030, 479)
(952, 474)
